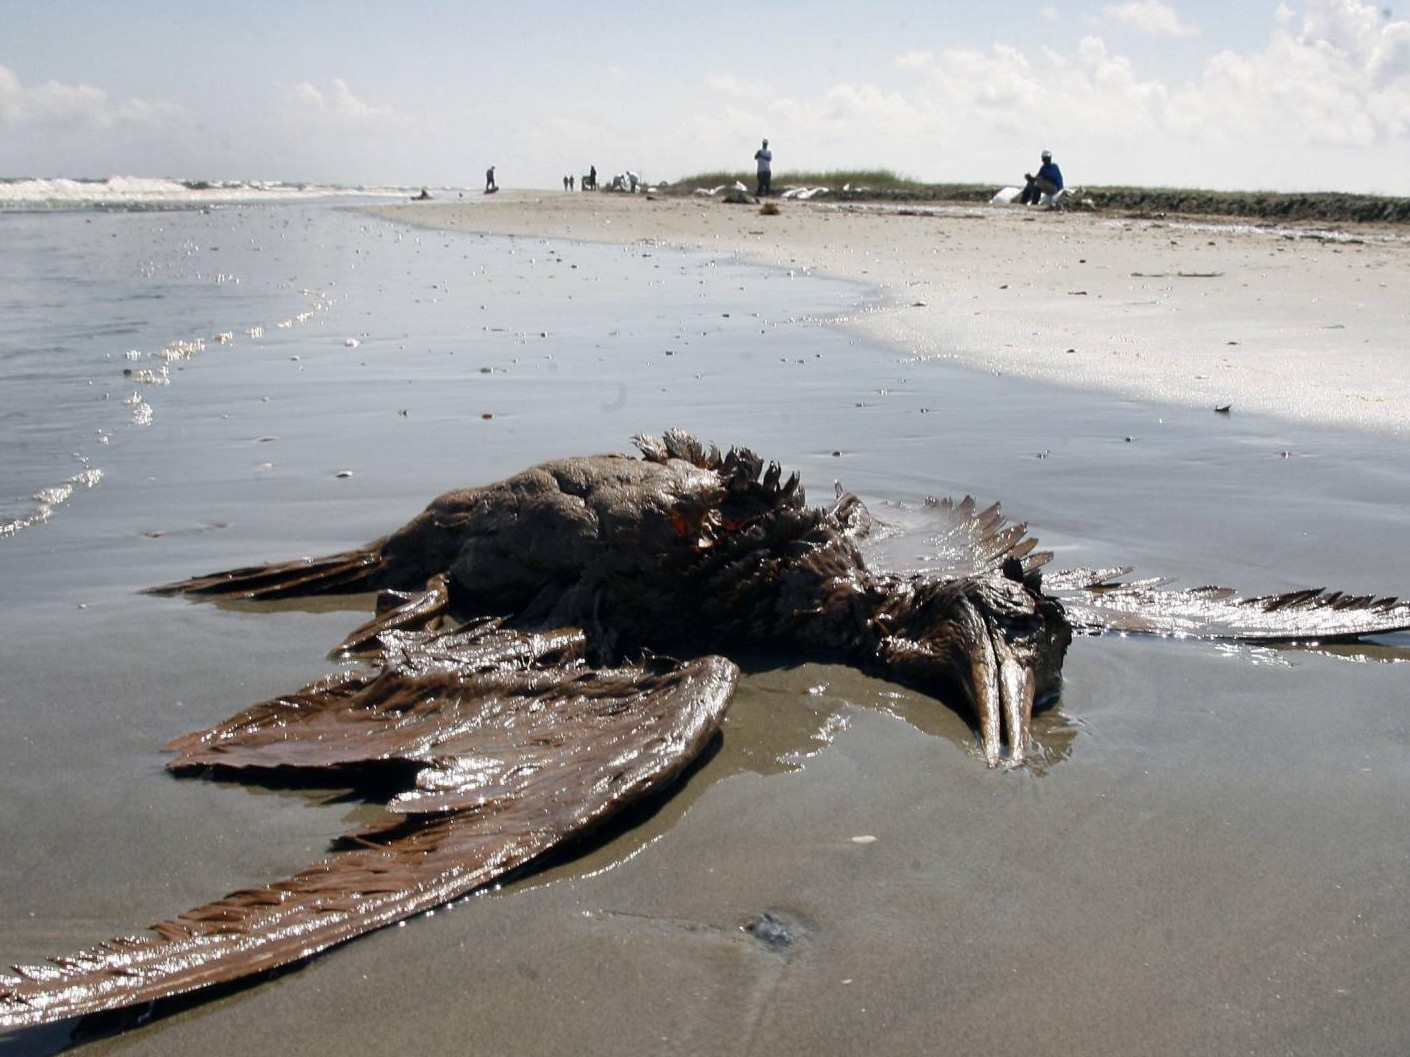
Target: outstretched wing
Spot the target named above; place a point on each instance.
(956, 539)
(511, 759)
(1099, 600)
(962, 539)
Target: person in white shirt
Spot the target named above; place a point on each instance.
(764, 157)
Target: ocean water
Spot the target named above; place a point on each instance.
(104, 314)
(1206, 861)
(358, 356)
(102, 311)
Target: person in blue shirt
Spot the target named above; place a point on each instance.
(1047, 181)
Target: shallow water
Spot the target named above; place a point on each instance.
(1205, 861)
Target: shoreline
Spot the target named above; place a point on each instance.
(1197, 859)
(1298, 322)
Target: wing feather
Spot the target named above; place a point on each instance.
(960, 539)
(512, 763)
(346, 572)
(1098, 600)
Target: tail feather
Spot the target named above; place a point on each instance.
(345, 573)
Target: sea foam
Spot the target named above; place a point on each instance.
(139, 192)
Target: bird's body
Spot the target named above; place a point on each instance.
(689, 551)
(521, 688)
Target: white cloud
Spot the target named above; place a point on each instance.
(728, 84)
(56, 105)
(1150, 17)
(1343, 79)
(992, 80)
(1362, 36)
(1002, 89)
(1336, 75)
(317, 131)
(1323, 101)
(338, 105)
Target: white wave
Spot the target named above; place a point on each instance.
(47, 499)
(148, 192)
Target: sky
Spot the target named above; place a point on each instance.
(1296, 95)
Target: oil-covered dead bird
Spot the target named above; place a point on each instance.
(518, 689)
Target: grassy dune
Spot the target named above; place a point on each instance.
(879, 185)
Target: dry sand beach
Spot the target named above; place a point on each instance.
(1302, 322)
(1208, 855)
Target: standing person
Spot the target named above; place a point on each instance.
(1048, 181)
(490, 185)
(765, 158)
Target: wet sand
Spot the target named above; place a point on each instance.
(1302, 322)
(1206, 859)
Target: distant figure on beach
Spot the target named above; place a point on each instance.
(765, 159)
(490, 185)
(424, 196)
(632, 181)
(590, 179)
(1042, 186)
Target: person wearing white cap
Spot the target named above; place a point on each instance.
(1043, 186)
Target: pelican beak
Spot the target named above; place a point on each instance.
(998, 640)
(1000, 687)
